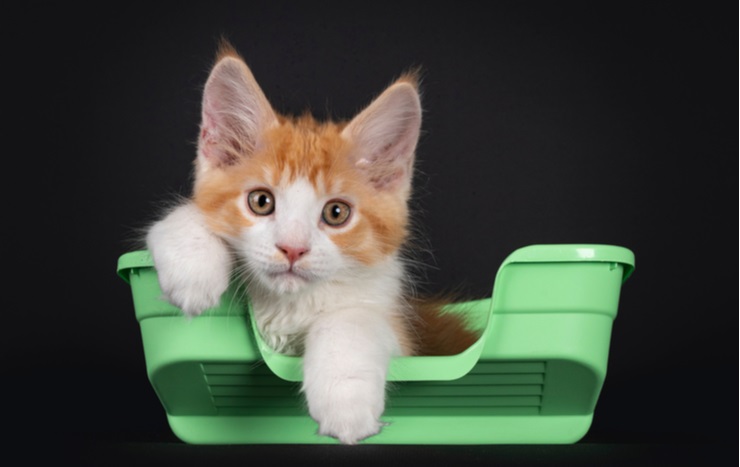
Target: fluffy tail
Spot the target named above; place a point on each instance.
(440, 333)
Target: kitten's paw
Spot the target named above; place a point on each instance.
(192, 294)
(193, 266)
(350, 427)
(350, 412)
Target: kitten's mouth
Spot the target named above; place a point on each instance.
(288, 280)
(291, 274)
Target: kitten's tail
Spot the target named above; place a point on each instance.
(438, 332)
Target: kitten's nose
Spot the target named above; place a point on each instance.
(293, 253)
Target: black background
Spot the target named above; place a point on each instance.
(545, 122)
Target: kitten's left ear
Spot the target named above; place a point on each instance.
(384, 136)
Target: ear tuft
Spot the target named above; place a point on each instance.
(384, 135)
(235, 112)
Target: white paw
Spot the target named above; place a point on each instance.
(349, 411)
(193, 266)
(192, 292)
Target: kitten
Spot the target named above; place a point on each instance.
(314, 215)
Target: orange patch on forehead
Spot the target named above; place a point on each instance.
(304, 148)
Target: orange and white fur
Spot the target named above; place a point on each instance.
(313, 215)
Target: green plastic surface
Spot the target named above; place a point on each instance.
(534, 376)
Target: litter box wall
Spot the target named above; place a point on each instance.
(534, 376)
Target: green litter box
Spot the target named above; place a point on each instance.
(533, 377)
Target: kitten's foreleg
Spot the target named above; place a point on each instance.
(345, 363)
(193, 265)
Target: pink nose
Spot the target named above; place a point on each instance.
(293, 253)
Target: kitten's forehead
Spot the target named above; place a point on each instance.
(321, 186)
(295, 181)
(305, 149)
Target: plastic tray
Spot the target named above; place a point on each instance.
(534, 376)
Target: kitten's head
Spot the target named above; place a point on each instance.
(301, 201)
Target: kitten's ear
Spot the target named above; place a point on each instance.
(235, 113)
(384, 135)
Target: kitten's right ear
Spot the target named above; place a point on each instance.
(235, 114)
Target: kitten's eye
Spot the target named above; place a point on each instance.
(261, 202)
(336, 213)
